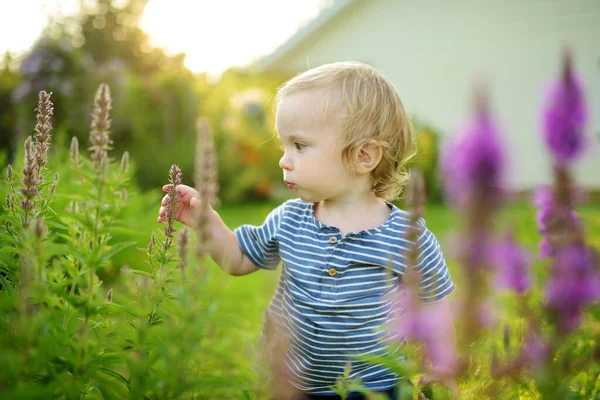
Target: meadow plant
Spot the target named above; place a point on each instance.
(206, 181)
(526, 327)
(525, 330)
(63, 332)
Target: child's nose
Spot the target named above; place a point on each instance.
(285, 162)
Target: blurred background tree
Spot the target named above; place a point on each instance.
(9, 80)
(156, 101)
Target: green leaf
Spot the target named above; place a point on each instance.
(6, 285)
(7, 237)
(116, 249)
(107, 394)
(115, 375)
(56, 225)
(140, 272)
(9, 250)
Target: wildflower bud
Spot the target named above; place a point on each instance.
(40, 228)
(8, 202)
(53, 187)
(75, 151)
(10, 174)
(109, 296)
(124, 195)
(42, 137)
(124, 162)
(30, 179)
(151, 244)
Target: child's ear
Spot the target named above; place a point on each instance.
(367, 157)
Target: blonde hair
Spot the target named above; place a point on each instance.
(373, 111)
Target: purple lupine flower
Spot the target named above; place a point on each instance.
(565, 116)
(535, 351)
(512, 263)
(574, 283)
(410, 320)
(475, 251)
(474, 163)
(550, 217)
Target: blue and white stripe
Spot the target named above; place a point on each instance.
(334, 318)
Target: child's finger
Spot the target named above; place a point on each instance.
(194, 202)
(187, 193)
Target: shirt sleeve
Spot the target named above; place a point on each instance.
(435, 277)
(260, 243)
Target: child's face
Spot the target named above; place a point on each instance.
(312, 160)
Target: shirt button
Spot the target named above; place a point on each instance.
(332, 240)
(332, 272)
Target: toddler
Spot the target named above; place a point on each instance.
(346, 139)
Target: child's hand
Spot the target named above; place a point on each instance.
(184, 209)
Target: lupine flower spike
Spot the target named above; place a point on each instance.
(413, 323)
(512, 264)
(172, 200)
(183, 248)
(42, 137)
(574, 280)
(565, 116)
(206, 183)
(474, 165)
(29, 190)
(100, 128)
(75, 151)
(473, 169)
(124, 163)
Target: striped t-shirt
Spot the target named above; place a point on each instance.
(335, 293)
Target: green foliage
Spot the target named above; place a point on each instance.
(427, 160)
(157, 120)
(9, 81)
(66, 334)
(240, 110)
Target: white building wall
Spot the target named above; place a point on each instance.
(434, 51)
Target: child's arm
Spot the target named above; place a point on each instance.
(222, 244)
(441, 345)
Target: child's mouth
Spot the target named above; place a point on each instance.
(289, 185)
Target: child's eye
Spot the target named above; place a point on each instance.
(299, 146)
